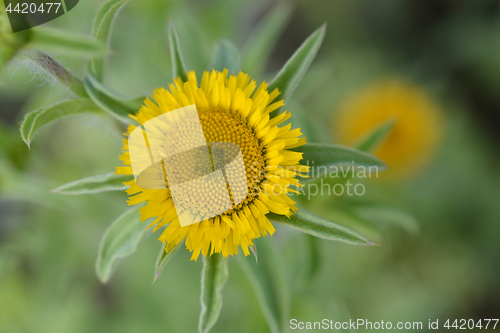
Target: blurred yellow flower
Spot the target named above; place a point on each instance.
(412, 141)
(234, 110)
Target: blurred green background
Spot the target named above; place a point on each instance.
(450, 269)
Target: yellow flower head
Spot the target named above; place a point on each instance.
(412, 140)
(231, 109)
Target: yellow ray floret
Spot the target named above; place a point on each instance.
(231, 109)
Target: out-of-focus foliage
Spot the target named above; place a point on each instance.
(416, 130)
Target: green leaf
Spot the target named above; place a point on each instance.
(315, 226)
(35, 120)
(101, 31)
(264, 37)
(294, 69)
(180, 66)
(321, 154)
(164, 258)
(120, 240)
(117, 106)
(269, 283)
(213, 278)
(62, 42)
(95, 184)
(226, 56)
(376, 137)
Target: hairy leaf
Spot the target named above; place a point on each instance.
(383, 215)
(95, 184)
(37, 119)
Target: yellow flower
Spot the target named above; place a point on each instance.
(230, 109)
(412, 140)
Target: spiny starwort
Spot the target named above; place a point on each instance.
(231, 108)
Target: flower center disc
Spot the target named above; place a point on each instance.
(221, 126)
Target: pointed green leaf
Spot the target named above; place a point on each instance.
(180, 66)
(226, 56)
(95, 184)
(101, 31)
(117, 106)
(120, 240)
(213, 278)
(267, 279)
(315, 226)
(164, 258)
(37, 119)
(264, 37)
(321, 154)
(63, 42)
(377, 136)
(294, 69)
